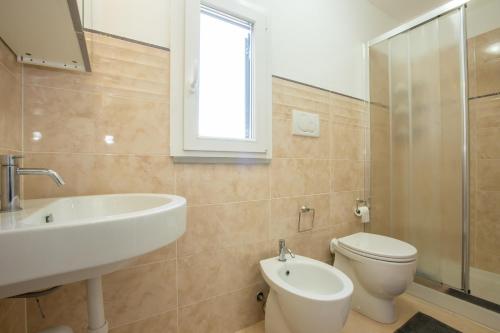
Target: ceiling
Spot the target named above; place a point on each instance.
(404, 10)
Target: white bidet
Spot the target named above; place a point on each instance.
(306, 296)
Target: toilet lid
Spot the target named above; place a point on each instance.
(378, 246)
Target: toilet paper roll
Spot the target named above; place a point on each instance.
(364, 213)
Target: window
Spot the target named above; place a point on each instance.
(225, 76)
(220, 81)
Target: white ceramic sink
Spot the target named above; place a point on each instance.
(57, 241)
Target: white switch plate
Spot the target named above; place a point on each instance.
(305, 123)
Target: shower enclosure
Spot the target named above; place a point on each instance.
(435, 144)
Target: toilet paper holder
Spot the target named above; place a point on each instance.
(360, 203)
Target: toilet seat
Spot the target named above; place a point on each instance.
(378, 247)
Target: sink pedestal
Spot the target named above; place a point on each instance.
(95, 307)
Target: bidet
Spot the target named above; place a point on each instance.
(306, 296)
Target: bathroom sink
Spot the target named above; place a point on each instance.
(62, 240)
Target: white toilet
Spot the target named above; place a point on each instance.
(306, 296)
(380, 268)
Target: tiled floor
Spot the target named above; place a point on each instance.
(407, 306)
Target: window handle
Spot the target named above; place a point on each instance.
(195, 78)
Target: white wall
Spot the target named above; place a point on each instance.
(143, 20)
(318, 42)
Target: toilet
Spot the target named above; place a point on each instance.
(380, 269)
(305, 296)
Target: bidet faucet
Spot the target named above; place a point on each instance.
(10, 173)
(283, 250)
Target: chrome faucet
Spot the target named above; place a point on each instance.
(9, 181)
(283, 250)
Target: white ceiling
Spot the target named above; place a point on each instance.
(404, 10)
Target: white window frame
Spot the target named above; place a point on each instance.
(185, 144)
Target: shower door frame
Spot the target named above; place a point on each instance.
(421, 20)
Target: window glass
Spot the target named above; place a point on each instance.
(225, 96)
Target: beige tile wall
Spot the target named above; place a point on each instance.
(206, 281)
(484, 82)
(12, 313)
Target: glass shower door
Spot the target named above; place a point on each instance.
(416, 144)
